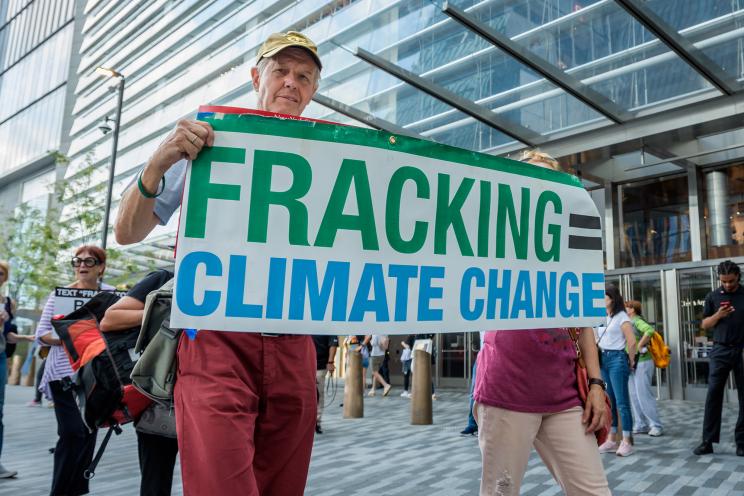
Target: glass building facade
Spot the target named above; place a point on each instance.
(639, 98)
(35, 49)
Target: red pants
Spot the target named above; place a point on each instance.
(245, 413)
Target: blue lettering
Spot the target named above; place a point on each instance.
(569, 302)
(372, 279)
(523, 296)
(496, 292)
(305, 280)
(185, 297)
(402, 274)
(591, 294)
(427, 292)
(236, 291)
(546, 292)
(275, 290)
(470, 276)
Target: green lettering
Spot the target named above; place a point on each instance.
(449, 214)
(201, 189)
(351, 172)
(484, 218)
(262, 196)
(392, 210)
(554, 230)
(519, 231)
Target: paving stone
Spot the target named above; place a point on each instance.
(383, 455)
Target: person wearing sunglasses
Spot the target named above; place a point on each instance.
(75, 446)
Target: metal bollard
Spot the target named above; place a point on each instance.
(353, 399)
(421, 401)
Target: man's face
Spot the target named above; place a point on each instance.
(729, 282)
(287, 83)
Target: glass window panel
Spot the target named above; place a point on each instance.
(716, 27)
(598, 43)
(654, 223)
(457, 59)
(378, 93)
(724, 211)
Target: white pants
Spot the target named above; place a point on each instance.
(506, 439)
(643, 397)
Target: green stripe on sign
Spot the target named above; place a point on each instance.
(316, 131)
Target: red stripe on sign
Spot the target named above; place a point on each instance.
(237, 110)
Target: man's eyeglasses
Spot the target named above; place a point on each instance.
(88, 262)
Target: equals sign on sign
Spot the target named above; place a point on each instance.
(585, 240)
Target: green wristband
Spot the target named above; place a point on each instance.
(146, 193)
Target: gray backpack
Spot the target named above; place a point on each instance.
(154, 374)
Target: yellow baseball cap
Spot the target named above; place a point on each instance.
(277, 42)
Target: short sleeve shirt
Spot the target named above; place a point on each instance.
(151, 282)
(527, 371)
(611, 336)
(730, 330)
(170, 199)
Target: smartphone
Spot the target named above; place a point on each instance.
(725, 303)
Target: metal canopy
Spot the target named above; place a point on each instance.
(570, 84)
(362, 116)
(488, 117)
(681, 46)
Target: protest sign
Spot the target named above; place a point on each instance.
(67, 300)
(305, 227)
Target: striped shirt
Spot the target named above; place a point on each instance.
(57, 363)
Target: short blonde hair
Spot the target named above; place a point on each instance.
(535, 156)
(6, 267)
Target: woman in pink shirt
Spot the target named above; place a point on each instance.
(526, 395)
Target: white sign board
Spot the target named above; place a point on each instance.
(302, 227)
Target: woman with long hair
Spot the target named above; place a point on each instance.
(617, 344)
(526, 396)
(75, 446)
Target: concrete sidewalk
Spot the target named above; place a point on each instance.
(382, 454)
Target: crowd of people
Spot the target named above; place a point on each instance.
(245, 423)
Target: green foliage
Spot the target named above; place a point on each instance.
(38, 242)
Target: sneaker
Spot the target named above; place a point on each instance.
(50, 404)
(434, 396)
(318, 430)
(405, 394)
(371, 392)
(625, 449)
(656, 432)
(608, 446)
(34, 403)
(704, 448)
(7, 474)
(469, 431)
(387, 389)
(641, 430)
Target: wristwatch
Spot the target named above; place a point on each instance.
(598, 382)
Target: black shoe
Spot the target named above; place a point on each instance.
(705, 448)
(740, 451)
(318, 430)
(469, 431)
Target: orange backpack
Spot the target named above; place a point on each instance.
(660, 352)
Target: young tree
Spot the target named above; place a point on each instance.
(38, 241)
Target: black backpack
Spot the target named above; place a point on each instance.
(103, 362)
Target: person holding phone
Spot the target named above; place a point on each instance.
(724, 313)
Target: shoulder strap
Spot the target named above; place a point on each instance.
(575, 338)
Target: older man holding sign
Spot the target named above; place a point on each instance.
(293, 226)
(245, 402)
